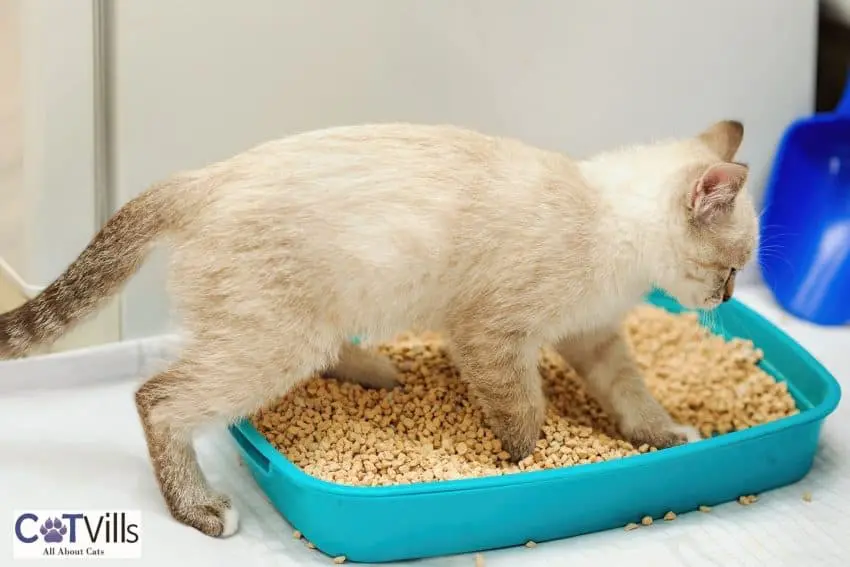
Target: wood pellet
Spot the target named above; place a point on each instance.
(748, 499)
(427, 429)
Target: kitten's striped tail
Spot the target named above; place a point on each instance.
(111, 257)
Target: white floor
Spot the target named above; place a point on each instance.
(69, 437)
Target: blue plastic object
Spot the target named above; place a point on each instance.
(805, 230)
(381, 524)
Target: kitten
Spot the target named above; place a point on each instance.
(283, 253)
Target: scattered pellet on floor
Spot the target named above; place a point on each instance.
(529, 544)
(631, 526)
(646, 520)
(807, 497)
(339, 560)
(747, 499)
(705, 509)
(310, 545)
(296, 534)
(428, 429)
(670, 516)
(479, 560)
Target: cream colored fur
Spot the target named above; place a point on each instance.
(283, 253)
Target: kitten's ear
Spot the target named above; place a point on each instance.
(715, 191)
(724, 138)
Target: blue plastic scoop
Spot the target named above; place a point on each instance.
(805, 228)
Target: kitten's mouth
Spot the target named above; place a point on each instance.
(699, 303)
(707, 303)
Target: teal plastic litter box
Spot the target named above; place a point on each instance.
(382, 524)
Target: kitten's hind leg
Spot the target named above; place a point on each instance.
(215, 385)
(181, 482)
(364, 367)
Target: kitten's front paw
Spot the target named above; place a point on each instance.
(690, 433)
(660, 434)
(649, 423)
(519, 447)
(659, 438)
(518, 432)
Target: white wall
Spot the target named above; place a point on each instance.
(58, 151)
(198, 80)
(13, 247)
(46, 135)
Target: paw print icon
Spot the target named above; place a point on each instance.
(53, 530)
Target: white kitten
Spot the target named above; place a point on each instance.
(283, 253)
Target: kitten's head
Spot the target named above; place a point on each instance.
(714, 228)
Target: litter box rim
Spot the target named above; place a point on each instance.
(269, 461)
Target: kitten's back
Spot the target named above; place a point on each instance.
(395, 219)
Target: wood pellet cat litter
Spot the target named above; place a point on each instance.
(427, 429)
(747, 499)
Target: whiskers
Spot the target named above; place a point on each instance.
(712, 320)
(770, 252)
(772, 247)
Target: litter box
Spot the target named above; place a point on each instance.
(395, 523)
